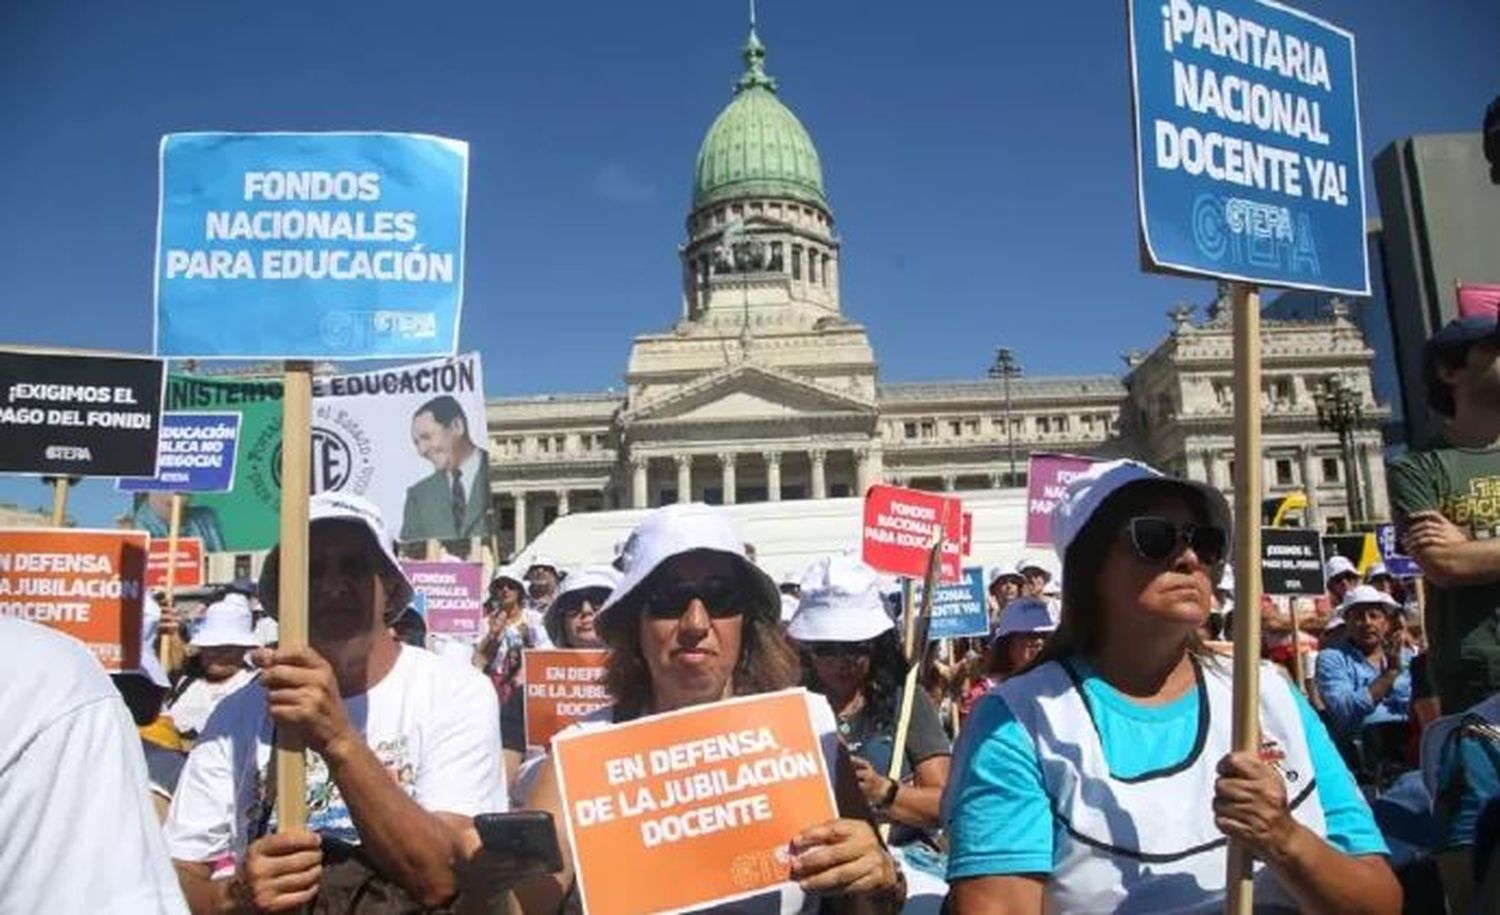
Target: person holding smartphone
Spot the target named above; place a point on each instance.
(694, 621)
(1103, 777)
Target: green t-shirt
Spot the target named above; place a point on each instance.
(1463, 484)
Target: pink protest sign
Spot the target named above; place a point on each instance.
(449, 594)
(1047, 477)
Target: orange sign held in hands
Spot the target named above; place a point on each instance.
(87, 584)
(691, 808)
(562, 686)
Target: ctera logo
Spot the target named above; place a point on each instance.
(332, 461)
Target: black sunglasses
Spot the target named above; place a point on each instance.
(572, 604)
(1159, 539)
(839, 649)
(667, 600)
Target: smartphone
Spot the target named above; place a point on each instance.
(527, 835)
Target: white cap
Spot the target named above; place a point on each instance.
(327, 507)
(1088, 491)
(1028, 563)
(594, 576)
(840, 602)
(150, 665)
(790, 578)
(540, 561)
(1377, 570)
(512, 574)
(1026, 614)
(226, 623)
(1338, 565)
(999, 572)
(1365, 595)
(674, 530)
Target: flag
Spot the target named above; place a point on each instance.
(1478, 299)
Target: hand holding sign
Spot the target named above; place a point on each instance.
(303, 697)
(840, 857)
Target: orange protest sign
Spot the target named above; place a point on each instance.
(87, 584)
(691, 808)
(188, 570)
(562, 686)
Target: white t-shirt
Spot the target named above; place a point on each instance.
(434, 725)
(190, 711)
(78, 832)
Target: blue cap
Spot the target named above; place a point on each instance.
(1452, 337)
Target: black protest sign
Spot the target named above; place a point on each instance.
(1291, 561)
(80, 416)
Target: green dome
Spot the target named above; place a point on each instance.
(756, 147)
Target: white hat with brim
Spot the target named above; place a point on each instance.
(588, 578)
(1025, 615)
(1366, 596)
(544, 562)
(1000, 573)
(1378, 570)
(226, 623)
(511, 574)
(840, 602)
(676, 530)
(331, 507)
(1089, 490)
(1031, 564)
(1338, 566)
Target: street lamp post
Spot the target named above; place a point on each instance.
(1005, 368)
(1340, 410)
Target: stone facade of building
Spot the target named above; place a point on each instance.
(764, 391)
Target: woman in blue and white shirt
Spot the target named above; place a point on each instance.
(1101, 779)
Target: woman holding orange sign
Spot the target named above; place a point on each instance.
(694, 622)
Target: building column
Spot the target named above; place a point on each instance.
(1310, 483)
(773, 475)
(684, 478)
(949, 481)
(1368, 458)
(862, 471)
(726, 471)
(819, 478)
(1210, 470)
(997, 480)
(564, 503)
(639, 464)
(520, 521)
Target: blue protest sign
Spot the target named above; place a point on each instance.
(959, 609)
(310, 246)
(197, 454)
(1397, 564)
(1247, 141)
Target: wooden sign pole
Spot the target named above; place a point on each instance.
(915, 654)
(291, 598)
(59, 501)
(1298, 677)
(174, 532)
(1247, 485)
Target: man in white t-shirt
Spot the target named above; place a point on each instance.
(77, 829)
(404, 746)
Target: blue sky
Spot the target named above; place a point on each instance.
(977, 158)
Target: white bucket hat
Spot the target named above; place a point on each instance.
(328, 507)
(999, 573)
(1364, 596)
(840, 602)
(675, 530)
(1091, 488)
(511, 574)
(1029, 564)
(1377, 570)
(226, 623)
(1338, 565)
(1026, 614)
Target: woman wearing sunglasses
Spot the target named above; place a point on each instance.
(694, 622)
(852, 656)
(570, 618)
(1101, 778)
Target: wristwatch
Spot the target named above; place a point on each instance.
(890, 795)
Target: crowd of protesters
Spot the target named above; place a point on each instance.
(1078, 758)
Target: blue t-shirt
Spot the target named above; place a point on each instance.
(999, 819)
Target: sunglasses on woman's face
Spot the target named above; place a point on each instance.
(1159, 539)
(839, 649)
(668, 600)
(593, 598)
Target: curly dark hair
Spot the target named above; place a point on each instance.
(767, 660)
(882, 690)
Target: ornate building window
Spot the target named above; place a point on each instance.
(909, 430)
(812, 265)
(776, 264)
(796, 262)
(1330, 470)
(1284, 474)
